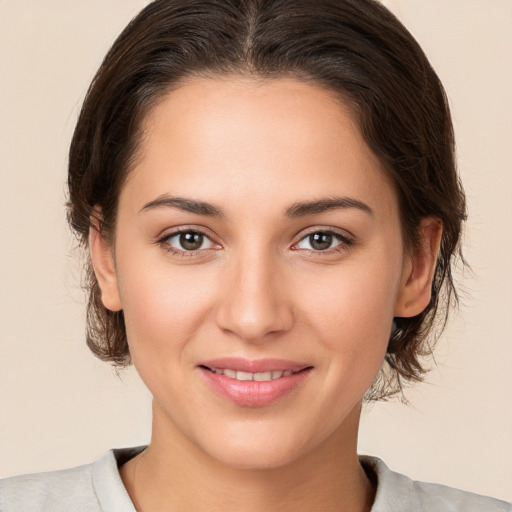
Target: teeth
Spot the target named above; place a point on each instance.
(244, 376)
(259, 376)
(263, 376)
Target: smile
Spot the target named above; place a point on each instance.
(258, 376)
(255, 383)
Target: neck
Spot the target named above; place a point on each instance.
(174, 474)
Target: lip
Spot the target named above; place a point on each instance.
(253, 393)
(254, 366)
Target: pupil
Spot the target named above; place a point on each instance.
(191, 241)
(320, 241)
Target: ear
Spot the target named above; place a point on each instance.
(104, 267)
(418, 273)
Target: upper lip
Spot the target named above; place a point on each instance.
(254, 366)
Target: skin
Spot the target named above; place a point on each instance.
(257, 288)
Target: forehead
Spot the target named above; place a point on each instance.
(272, 140)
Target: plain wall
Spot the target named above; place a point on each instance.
(60, 407)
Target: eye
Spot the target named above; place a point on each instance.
(323, 241)
(187, 241)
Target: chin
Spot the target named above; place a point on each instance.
(256, 449)
(253, 458)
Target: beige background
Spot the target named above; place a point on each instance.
(60, 407)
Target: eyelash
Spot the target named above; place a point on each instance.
(345, 242)
(164, 242)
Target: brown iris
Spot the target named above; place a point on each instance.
(191, 241)
(320, 241)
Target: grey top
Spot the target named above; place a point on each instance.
(97, 487)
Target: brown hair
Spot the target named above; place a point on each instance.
(355, 48)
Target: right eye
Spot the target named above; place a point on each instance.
(187, 241)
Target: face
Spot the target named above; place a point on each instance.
(259, 264)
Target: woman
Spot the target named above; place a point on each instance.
(269, 197)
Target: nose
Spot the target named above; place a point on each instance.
(253, 300)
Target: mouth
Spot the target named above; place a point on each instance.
(257, 376)
(254, 383)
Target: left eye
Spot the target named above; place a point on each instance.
(189, 241)
(321, 241)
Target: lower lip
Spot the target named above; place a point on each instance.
(250, 393)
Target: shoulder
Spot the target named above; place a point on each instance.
(68, 489)
(401, 494)
(435, 497)
(92, 487)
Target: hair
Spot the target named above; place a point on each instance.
(355, 49)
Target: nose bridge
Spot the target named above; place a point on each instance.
(254, 302)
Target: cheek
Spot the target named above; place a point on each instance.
(356, 300)
(164, 306)
(351, 315)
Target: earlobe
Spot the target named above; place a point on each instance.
(416, 285)
(104, 269)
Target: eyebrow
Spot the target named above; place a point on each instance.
(302, 209)
(185, 205)
(296, 210)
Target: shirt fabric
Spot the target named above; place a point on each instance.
(98, 487)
